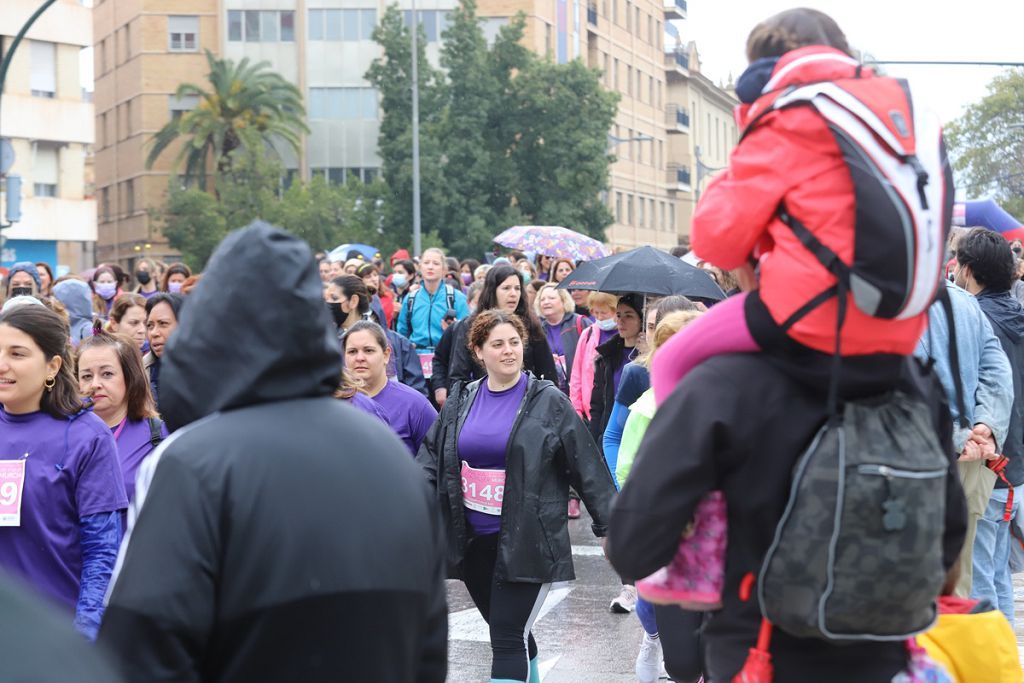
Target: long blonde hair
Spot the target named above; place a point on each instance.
(669, 325)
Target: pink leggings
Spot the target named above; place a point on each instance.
(723, 329)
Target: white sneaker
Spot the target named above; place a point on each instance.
(648, 662)
(625, 602)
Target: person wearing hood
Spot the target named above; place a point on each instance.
(162, 314)
(253, 553)
(612, 357)
(146, 275)
(76, 295)
(22, 280)
(985, 268)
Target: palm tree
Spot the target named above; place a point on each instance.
(248, 105)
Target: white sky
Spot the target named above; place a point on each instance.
(975, 30)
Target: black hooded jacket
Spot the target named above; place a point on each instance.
(282, 535)
(738, 423)
(1007, 317)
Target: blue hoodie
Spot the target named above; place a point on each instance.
(77, 298)
(984, 368)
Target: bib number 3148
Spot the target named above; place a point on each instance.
(12, 486)
(483, 490)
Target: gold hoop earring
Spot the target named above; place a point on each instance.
(50, 383)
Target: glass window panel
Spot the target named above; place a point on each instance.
(252, 26)
(332, 24)
(429, 21)
(317, 103)
(349, 103)
(268, 27)
(288, 26)
(316, 24)
(369, 103)
(368, 19)
(444, 20)
(407, 17)
(234, 25)
(336, 176)
(350, 24)
(369, 175)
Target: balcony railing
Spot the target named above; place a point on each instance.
(683, 118)
(683, 60)
(683, 175)
(677, 7)
(592, 14)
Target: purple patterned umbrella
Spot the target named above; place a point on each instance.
(552, 240)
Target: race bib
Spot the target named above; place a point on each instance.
(483, 490)
(427, 363)
(12, 486)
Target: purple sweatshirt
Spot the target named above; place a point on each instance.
(409, 413)
(134, 443)
(484, 440)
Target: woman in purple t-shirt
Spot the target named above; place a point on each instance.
(366, 352)
(61, 489)
(111, 376)
(502, 457)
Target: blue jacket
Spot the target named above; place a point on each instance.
(984, 367)
(404, 365)
(423, 327)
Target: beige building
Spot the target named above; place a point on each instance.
(701, 130)
(48, 117)
(145, 48)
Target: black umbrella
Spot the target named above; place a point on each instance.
(644, 270)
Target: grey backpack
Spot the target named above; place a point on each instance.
(858, 551)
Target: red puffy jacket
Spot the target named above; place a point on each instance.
(792, 156)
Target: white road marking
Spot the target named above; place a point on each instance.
(588, 550)
(467, 624)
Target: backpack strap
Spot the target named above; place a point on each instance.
(449, 295)
(579, 325)
(410, 299)
(954, 355)
(999, 467)
(155, 425)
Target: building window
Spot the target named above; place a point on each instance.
(640, 211)
(43, 80)
(45, 171)
(636, 24)
(549, 41)
(129, 197)
(182, 33)
(102, 50)
(629, 17)
(615, 73)
(179, 106)
(127, 42)
(650, 29)
(629, 80)
(105, 203)
(348, 24)
(261, 26)
(342, 104)
(128, 118)
(340, 176)
(629, 209)
(618, 207)
(434, 23)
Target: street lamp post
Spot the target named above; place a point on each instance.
(416, 226)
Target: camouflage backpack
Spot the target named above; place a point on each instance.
(858, 551)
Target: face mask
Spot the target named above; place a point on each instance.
(467, 279)
(526, 277)
(143, 277)
(21, 291)
(606, 325)
(399, 279)
(106, 290)
(337, 314)
(174, 287)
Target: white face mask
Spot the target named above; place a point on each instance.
(606, 325)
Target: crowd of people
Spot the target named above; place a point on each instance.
(268, 470)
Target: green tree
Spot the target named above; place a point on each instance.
(391, 75)
(247, 105)
(506, 137)
(986, 144)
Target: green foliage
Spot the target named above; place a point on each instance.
(195, 221)
(987, 147)
(247, 106)
(506, 136)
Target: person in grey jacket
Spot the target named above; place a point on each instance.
(988, 396)
(76, 296)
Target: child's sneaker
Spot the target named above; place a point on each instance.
(696, 575)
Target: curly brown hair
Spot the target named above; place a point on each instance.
(792, 29)
(485, 321)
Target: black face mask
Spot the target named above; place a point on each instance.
(143, 277)
(21, 291)
(339, 315)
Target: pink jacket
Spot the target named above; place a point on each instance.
(581, 379)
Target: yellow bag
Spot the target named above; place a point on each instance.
(974, 647)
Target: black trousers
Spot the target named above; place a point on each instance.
(508, 608)
(680, 642)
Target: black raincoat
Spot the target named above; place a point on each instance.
(283, 535)
(549, 449)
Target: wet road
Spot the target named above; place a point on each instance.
(579, 639)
